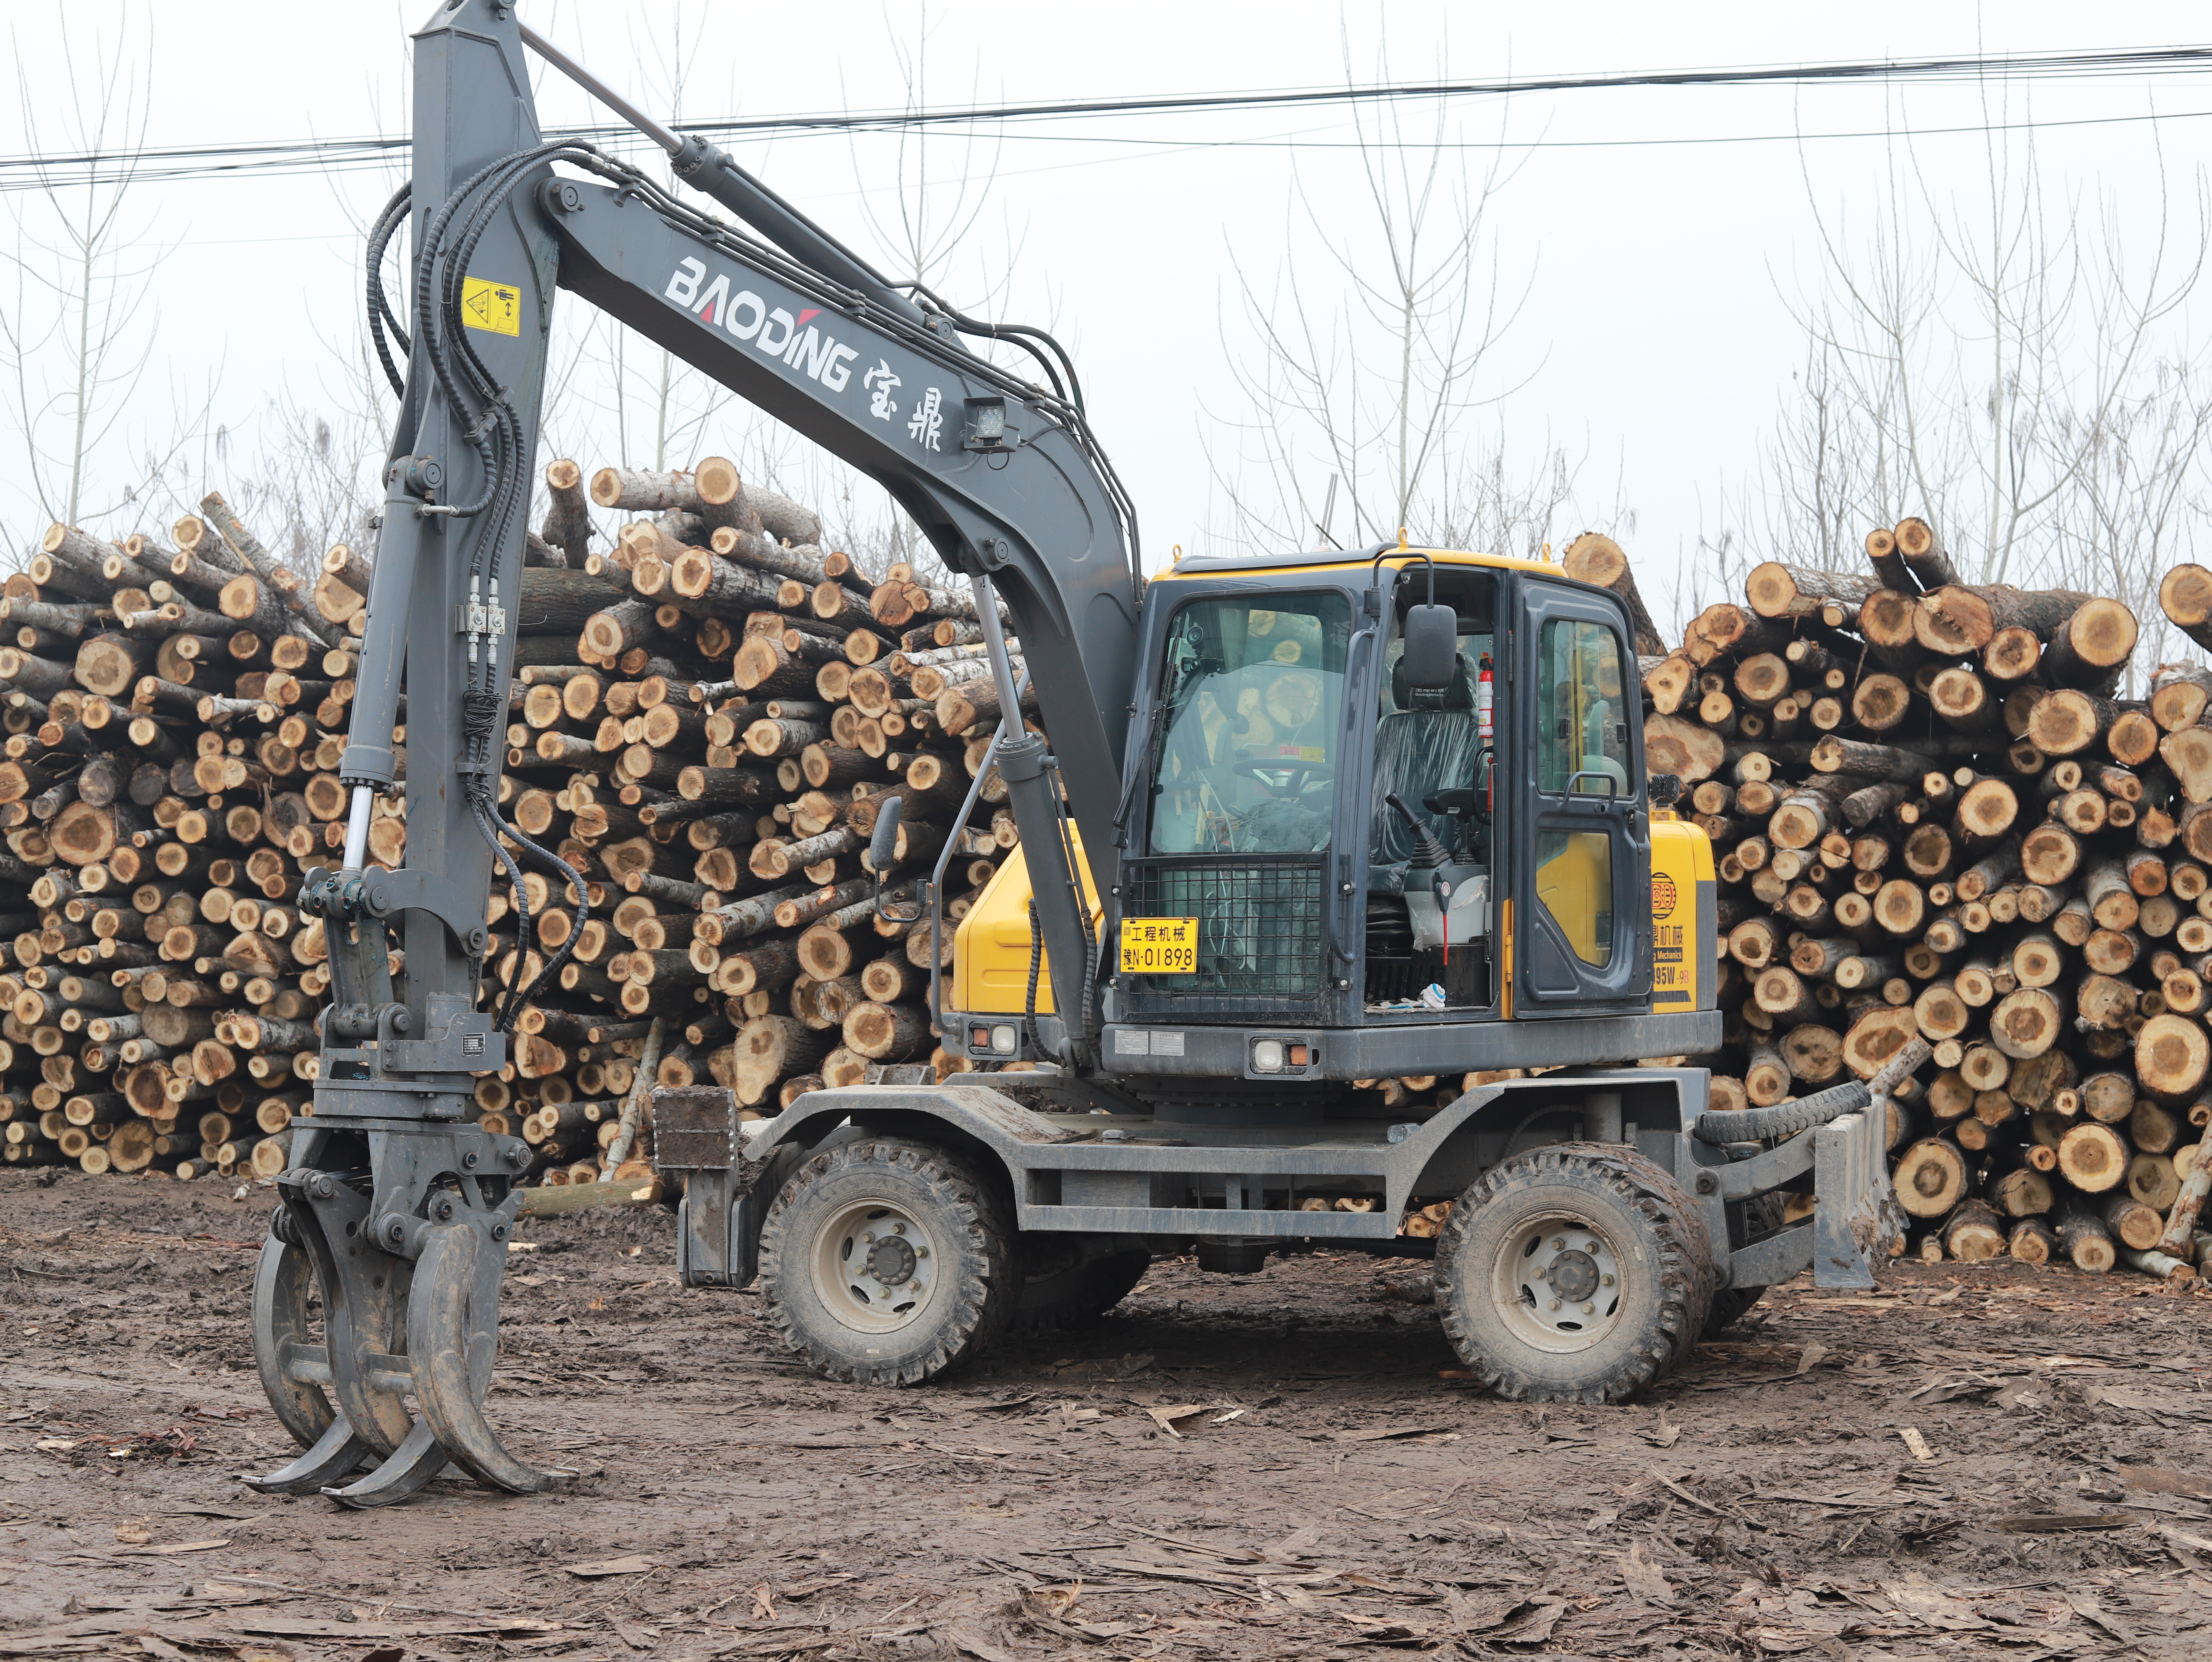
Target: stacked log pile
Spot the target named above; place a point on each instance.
(1938, 824)
(705, 723)
(172, 709)
(711, 746)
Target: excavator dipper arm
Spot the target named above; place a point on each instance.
(396, 1207)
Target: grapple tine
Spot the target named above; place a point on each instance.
(294, 1367)
(411, 1466)
(283, 1340)
(334, 1454)
(452, 1335)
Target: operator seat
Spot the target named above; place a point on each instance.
(1429, 742)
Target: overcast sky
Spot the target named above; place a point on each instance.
(1666, 231)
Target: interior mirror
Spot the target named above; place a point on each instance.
(1431, 648)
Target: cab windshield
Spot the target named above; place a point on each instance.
(1245, 758)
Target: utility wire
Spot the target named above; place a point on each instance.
(280, 156)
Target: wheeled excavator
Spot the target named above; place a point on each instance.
(1302, 821)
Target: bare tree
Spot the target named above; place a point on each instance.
(1377, 342)
(2005, 365)
(76, 335)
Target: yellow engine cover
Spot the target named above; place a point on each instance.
(1685, 949)
(991, 948)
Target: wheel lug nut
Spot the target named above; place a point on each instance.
(1555, 1304)
(898, 1228)
(1605, 1281)
(922, 1251)
(1589, 1309)
(867, 1235)
(1559, 1243)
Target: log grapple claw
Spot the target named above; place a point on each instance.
(406, 1246)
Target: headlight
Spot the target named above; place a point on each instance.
(1268, 1056)
(1003, 1038)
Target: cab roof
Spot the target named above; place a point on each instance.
(1332, 560)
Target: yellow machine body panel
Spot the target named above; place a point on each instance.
(991, 947)
(1684, 917)
(1575, 886)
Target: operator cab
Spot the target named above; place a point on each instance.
(1400, 792)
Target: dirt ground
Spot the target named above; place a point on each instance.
(1272, 1466)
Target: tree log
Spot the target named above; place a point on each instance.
(2184, 595)
(1775, 589)
(1596, 559)
(1930, 1177)
(2088, 1245)
(1972, 1233)
(2093, 1157)
(1923, 554)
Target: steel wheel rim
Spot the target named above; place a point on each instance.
(874, 1267)
(1542, 1267)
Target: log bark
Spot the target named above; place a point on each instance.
(2189, 1202)
(281, 600)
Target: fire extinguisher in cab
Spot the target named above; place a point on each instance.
(1483, 692)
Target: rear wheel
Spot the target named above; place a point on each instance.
(1061, 1290)
(887, 1262)
(1575, 1272)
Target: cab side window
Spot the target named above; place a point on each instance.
(1582, 735)
(1582, 742)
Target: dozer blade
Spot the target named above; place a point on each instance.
(452, 1338)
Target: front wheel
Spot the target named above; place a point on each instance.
(1575, 1272)
(887, 1262)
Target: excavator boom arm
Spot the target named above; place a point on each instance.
(398, 1204)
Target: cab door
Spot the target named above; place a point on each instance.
(1581, 861)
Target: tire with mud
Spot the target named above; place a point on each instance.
(1730, 1304)
(1058, 1293)
(887, 1261)
(1575, 1272)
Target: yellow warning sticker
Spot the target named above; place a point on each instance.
(486, 304)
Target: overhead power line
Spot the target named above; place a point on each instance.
(341, 154)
